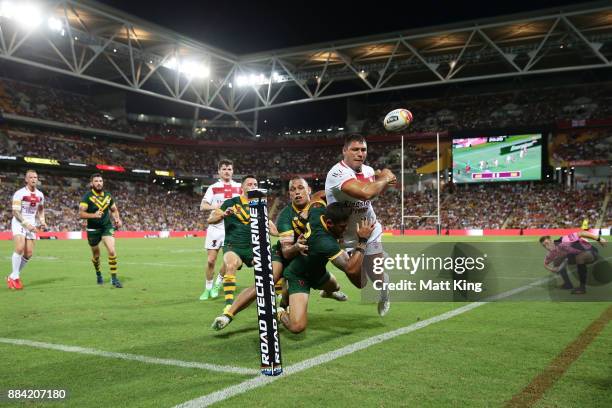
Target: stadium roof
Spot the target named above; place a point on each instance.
(98, 43)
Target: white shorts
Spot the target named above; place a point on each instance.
(374, 245)
(18, 229)
(214, 238)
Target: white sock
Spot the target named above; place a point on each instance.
(219, 279)
(16, 260)
(209, 284)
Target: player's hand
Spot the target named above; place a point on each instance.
(31, 228)
(365, 228)
(229, 211)
(301, 245)
(388, 176)
(43, 226)
(118, 224)
(98, 214)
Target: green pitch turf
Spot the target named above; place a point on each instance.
(530, 165)
(480, 358)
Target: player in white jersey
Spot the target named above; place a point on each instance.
(28, 213)
(215, 195)
(355, 184)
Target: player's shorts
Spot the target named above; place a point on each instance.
(94, 235)
(18, 229)
(214, 238)
(303, 281)
(277, 255)
(374, 245)
(245, 253)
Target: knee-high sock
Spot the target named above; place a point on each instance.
(16, 263)
(96, 263)
(229, 288)
(278, 287)
(112, 263)
(582, 274)
(565, 276)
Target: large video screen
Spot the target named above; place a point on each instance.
(497, 158)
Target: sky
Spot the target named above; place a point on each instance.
(241, 26)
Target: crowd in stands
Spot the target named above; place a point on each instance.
(494, 206)
(271, 161)
(582, 145)
(150, 206)
(520, 107)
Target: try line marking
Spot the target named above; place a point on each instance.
(133, 357)
(262, 380)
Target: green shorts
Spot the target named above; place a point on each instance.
(277, 255)
(245, 253)
(94, 236)
(302, 282)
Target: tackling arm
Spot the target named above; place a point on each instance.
(351, 265)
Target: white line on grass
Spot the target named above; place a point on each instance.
(133, 357)
(262, 380)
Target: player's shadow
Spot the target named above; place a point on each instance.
(225, 334)
(342, 323)
(42, 282)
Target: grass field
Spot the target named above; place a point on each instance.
(483, 356)
(530, 165)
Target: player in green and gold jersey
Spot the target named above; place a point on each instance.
(98, 207)
(324, 228)
(291, 225)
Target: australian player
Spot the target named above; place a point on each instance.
(215, 195)
(291, 225)
(325, 227)
(354, 184)
(100, 210)
(28, 214)
(237, 249)
(573, 249)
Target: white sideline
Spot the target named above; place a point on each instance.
(217, 396)
(133, 357)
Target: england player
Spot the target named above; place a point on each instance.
(28, 213)
(224, 189)
(96, 207)
(354, 184)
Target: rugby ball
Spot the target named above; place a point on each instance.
(398, 119)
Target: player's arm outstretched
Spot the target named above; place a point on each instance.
(351, 266)
(116, 218)
(19, 216)
(368, 190)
